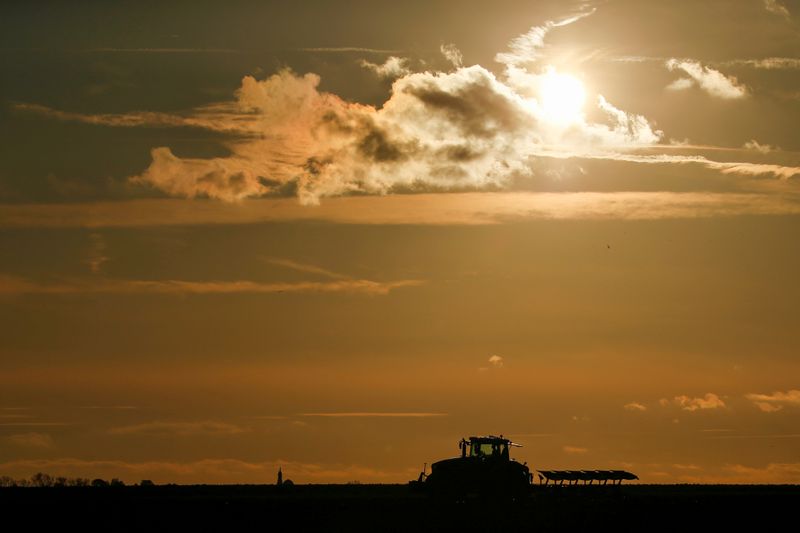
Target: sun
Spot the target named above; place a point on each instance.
(561, 97)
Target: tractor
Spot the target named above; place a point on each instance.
(483, 469)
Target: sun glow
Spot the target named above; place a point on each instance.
(561, 97)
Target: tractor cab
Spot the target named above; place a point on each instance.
(490, 447)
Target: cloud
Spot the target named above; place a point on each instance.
(439, 132)
(368, 414)
(635, 407)
(496, 361)
(96, 256)
(110, 407)
(769, 63)
(711, 81)
(31, 440)
(725, 167)
(34, 424)
(206, 427)
(758, 147)
(349, 49)
(574, 450)
(393, 67)
(220, 118)
(709, 401)
(770, 403)
(526, 48)
(776, 8)
(483, 208)
(16, 285)
(681, 84)
(308, 269)
(459, 131)
(452, 54)
(162, 50)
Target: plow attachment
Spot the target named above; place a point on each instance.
(588, 477)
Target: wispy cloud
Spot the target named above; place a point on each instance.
(635, 407)
(776, 8)
(305, 268)
(430, 209)
(574, 450)
(163, 50)
(758, 147)
(770, 403)
(452, 54)
(370, 414)
(31, 440)
(34, 424)
(743, 168)
(222, 118)
(17, 285)
(349, 49)
(527, 47)
(96, 256)
(710, 80)
(109, 407)
(194, 428)
(768, 63)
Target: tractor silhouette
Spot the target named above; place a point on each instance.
(484, 469)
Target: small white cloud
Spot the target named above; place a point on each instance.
(758, 147)
(394, 67)
(574, 450)
(496, 361)
(452, 54)
(711, 81)
(709, 401)
(776, 8)
(680, 84)
(635, 406)
(769, 403)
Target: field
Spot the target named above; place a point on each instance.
(396, 508)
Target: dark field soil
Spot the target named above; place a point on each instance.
(645, 508)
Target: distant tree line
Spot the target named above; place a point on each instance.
(45, 480)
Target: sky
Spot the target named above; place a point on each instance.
(335, 238)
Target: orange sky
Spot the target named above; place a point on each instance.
(337, 240)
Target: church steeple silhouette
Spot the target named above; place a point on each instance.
(280, 477)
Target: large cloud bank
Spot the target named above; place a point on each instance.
(465, 129)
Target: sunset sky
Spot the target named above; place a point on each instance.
(337, 237)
